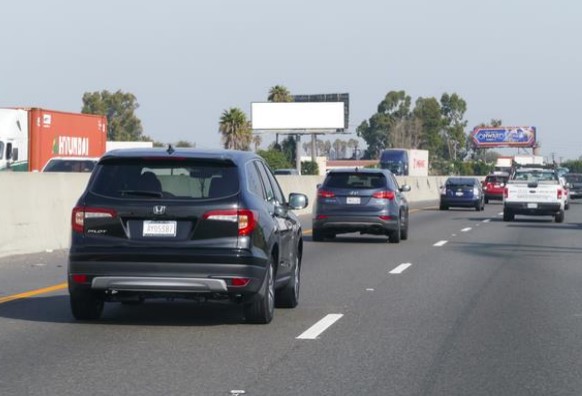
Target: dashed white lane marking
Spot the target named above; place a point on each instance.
(466, 229)
(314, 331)
(486, 220)
(440, 243)
(401, 268)
(369, 289)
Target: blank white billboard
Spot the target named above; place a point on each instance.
(305, 115)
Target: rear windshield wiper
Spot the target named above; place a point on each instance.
(156, 194)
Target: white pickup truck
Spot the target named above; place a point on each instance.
(534, 191)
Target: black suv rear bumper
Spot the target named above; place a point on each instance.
(162, 277)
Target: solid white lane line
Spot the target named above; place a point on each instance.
(401, 268)
(314, 331)
(440, 243)
(466, 229)
(486, 220)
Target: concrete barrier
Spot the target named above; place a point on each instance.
(36, 207)
(36, 210)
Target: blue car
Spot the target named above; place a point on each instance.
(465, 192)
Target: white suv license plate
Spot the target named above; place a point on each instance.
(532, 205)
(159, 228)
(353, 200)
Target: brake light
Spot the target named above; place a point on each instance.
(80, 278)
(325, 194)
(245, 218)
(383, 217)
(321, 217)
(239, 282)
(80, 213)
(560, 192)
(384, 195)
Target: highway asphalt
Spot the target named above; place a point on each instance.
(469, 305)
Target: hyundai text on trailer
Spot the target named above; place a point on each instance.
(29, 138)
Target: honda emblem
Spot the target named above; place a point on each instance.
(159, 209)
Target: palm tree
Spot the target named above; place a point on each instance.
(257, 140)
(279, 93)
(235, 129)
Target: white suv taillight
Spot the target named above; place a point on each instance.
(560, 192)
(80, 213)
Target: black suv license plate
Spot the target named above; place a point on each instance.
(159, 228)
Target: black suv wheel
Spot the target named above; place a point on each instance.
(86, 305)
(262, 309)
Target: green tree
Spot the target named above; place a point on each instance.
(279, 93)
(378, 129)
(119, 108)
(288, 148)
(235, 129)
(185, 143)
(275, 159)
(309, 168)
(428, 112)
(453, 109)
(575, 166)
(257, 140)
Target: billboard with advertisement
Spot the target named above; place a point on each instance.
(487, 137)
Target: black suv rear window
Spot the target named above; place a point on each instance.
(355, 180)
(177, 179)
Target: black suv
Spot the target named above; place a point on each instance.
(185, 223)
(368, 201)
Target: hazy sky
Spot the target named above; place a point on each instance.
(188, 61)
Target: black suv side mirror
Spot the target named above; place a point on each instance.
(298, 201)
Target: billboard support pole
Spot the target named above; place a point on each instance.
(313, 141)
(298, 153)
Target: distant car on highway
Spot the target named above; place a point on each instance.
(494, 186)
(575, 180)
(286, 172)
(368, 201)
(464, 192)
(70, 164)
(185, 223)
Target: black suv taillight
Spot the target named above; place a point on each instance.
(246, 219)
(80, 213)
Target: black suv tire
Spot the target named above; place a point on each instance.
(85, 305)
(262, 309)
(317, 235)
(288, 296)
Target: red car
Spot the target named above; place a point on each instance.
(493, 186)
